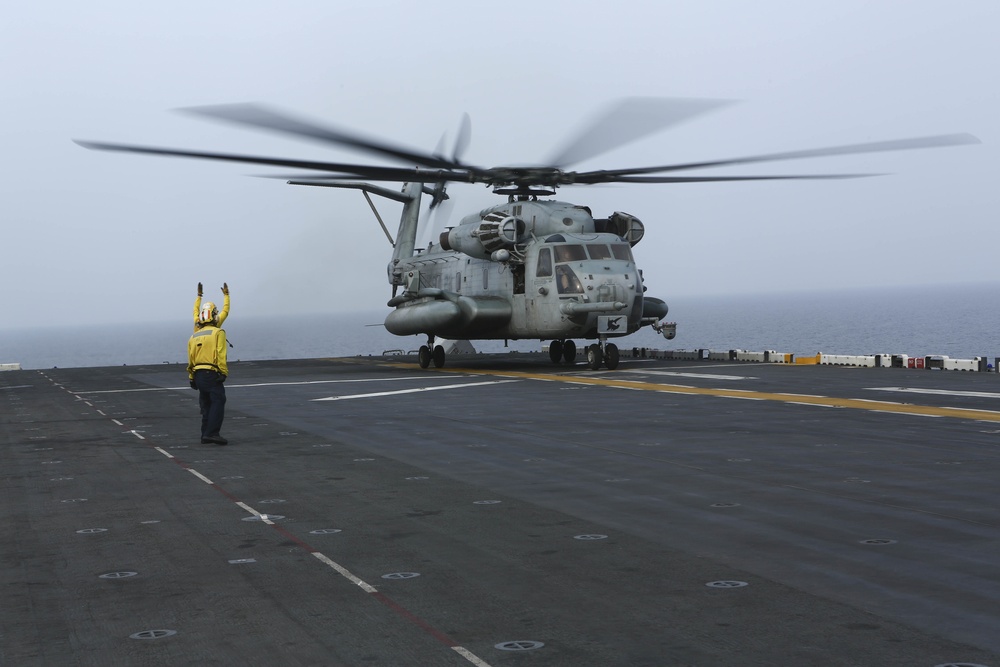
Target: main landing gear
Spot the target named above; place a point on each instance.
(598, 354)
(430, 353)
(564, 350)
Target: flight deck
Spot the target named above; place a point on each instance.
(502, 510)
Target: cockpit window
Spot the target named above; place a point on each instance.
(566, 280)
(621, 251)
(570, 253)
(598, 250)
(544, 268)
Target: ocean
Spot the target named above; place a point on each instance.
(959, 321)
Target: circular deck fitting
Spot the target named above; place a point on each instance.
(124, 574)
(519, 645)
(61, 479)
(739, 460)
(727, 584)
(590, 537)
(878, 541)
(322, 445)
(152, 634)
(178, 447)
(151, 521)
(74, 500)
(401, 575)
(91, 531)
(416, 478)
(262, 517)
(364, 459)
(42, 449)
(233, 477)
(858, 480)
(271, 501)
(45, 463)
(724, 505)
(487, 502)
(325, 531)
(287, 433)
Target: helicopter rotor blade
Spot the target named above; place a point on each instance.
(938, 141)
(341, 170)
(713, 179)
(626, 121)
(261, 117)
(462, 139)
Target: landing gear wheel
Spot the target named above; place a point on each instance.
(594, 357)
(569, 351)
(437, 356)
(555, 351)
(611, 356)
(424, 356)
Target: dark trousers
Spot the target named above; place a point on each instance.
(212, 399)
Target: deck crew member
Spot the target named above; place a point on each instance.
(208, 368)
(225, 306)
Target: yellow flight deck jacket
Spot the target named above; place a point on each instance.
(207, 351)
(223, 314)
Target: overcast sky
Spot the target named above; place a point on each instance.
(91, 237)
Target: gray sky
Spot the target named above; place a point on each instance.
(91, 237)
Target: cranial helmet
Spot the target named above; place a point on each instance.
(208, 314)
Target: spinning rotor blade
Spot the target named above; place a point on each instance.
(353, 171)
(627, 121)
(463, 139)
(713, 179)
(938, 141)
(262, 117)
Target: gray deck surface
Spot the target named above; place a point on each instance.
(552, 515)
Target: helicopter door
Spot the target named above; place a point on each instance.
(541, 295)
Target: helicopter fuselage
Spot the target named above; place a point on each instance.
(525, 269)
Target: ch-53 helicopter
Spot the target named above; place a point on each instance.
(529, 268)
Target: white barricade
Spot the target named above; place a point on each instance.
(716, 355)
(743, 355)
(848, 360)
(778, 357)
(10, 367)
(961, 364)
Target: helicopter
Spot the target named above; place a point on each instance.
(531, 267)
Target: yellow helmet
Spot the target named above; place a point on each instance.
(209, 313)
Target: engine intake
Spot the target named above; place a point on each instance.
(482, 239)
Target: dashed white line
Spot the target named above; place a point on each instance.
(344, 572)
(200, 476)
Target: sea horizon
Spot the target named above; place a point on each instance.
(958, 321)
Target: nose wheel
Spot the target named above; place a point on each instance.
(605, 354)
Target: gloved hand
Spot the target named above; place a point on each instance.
(199, 289)
(225, 289)
(193, 385)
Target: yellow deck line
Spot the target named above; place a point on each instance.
(828, 401)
